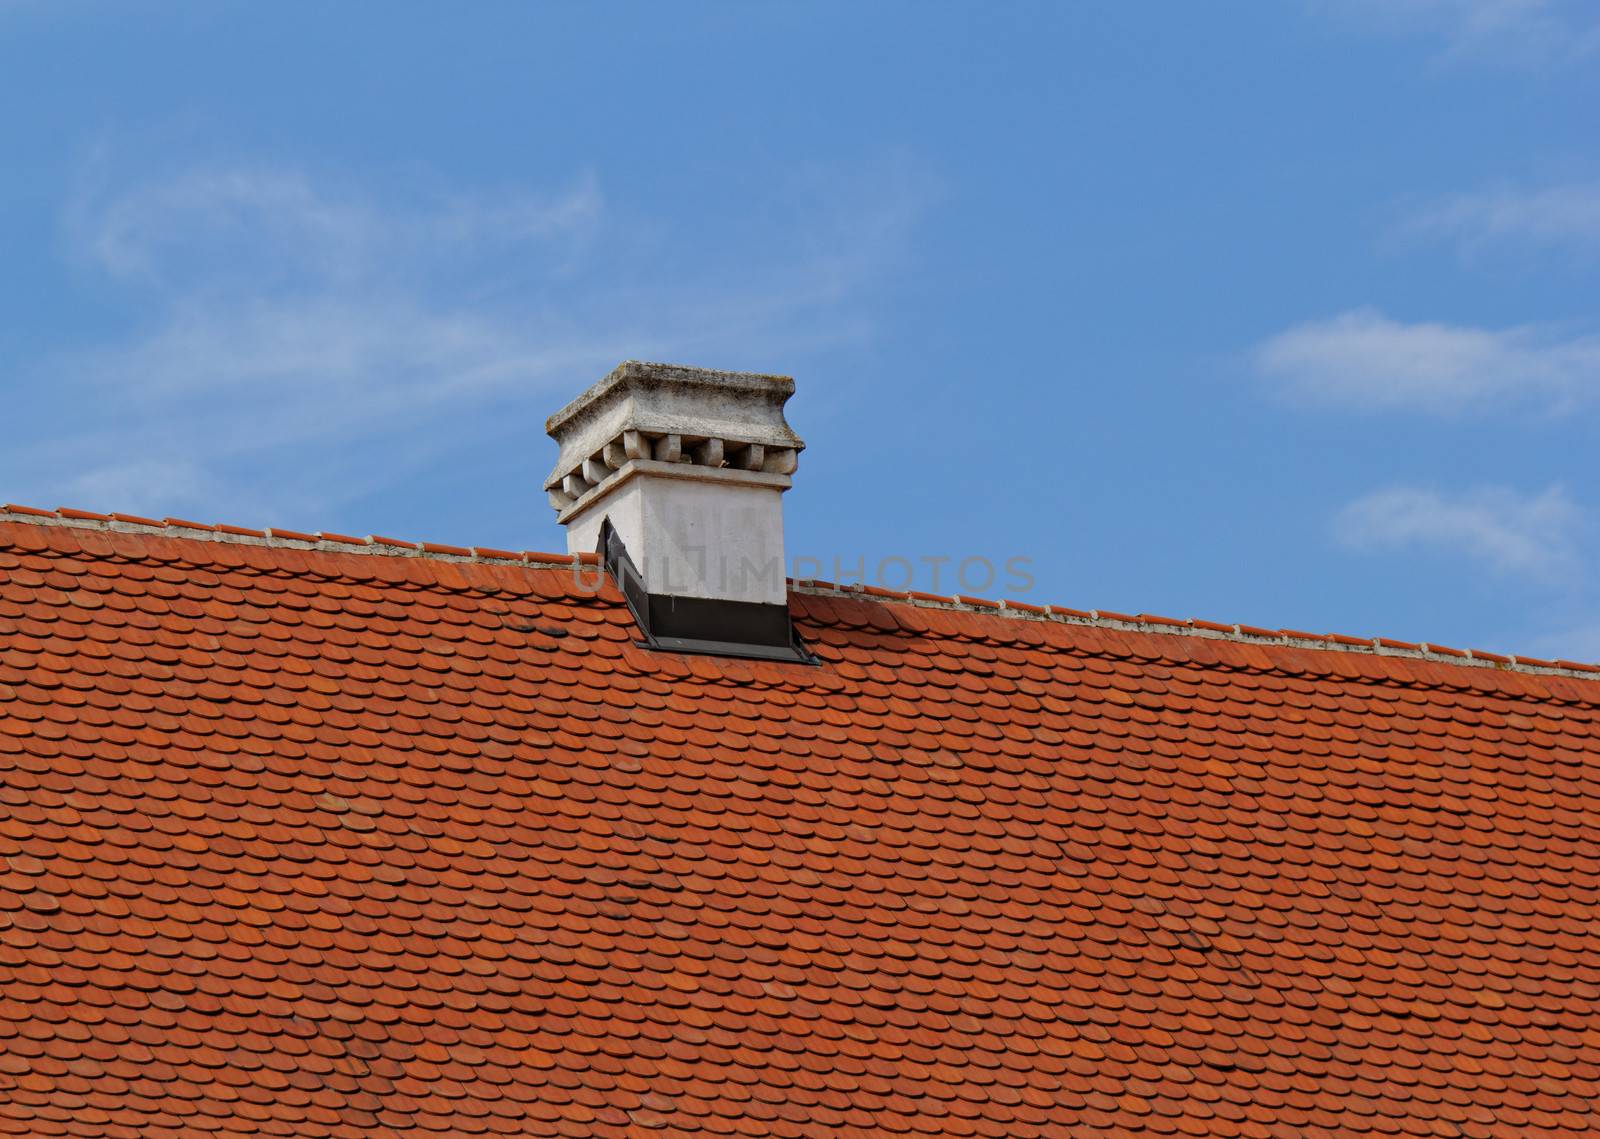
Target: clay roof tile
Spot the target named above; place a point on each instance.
(303, 835)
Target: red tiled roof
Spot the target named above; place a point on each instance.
(304, 841)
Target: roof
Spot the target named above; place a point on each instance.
(309, 837)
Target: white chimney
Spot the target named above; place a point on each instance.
(684, 469)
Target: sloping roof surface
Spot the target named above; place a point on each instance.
(305, 843)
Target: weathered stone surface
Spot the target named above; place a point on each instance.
(690, 466)
(659, 400)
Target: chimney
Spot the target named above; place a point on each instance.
(676, 476)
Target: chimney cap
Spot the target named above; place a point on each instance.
(666, 412)
(642, 375)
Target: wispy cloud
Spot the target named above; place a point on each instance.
(1536, 546)
(1534, 536)
(298, 339)
(1367, 360)
(1572, 640)
(231, 225)
(1563, 216)
(1521, 33)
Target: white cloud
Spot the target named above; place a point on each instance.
(1539, 540)
(1535, 536)
(1579, 641)
(1365, 359)
(1523, 33)
(298, 340)
(1564, 216)
(222, 223)
(143, 485)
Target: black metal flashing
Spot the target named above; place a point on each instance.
(697, 624)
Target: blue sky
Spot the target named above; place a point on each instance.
(1277, 312)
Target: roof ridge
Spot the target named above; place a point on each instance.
(1018, 610)
(279, 538)
(1150, 623)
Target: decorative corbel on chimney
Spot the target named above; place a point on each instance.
(676, 475)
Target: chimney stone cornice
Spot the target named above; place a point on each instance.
(671, 414)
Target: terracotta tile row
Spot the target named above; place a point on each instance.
(301, 842)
